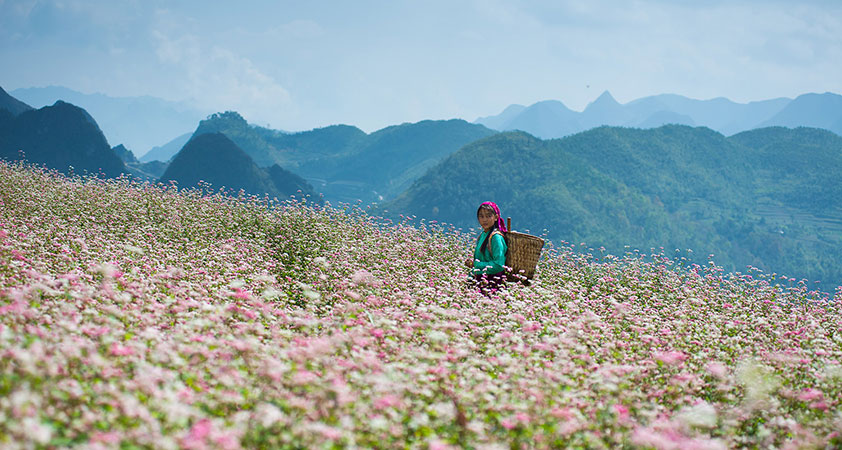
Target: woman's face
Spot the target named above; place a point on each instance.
(486, 219)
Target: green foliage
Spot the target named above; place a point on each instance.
(768, 198)
(212, 158)
(346, 163)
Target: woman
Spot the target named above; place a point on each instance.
(488, 264)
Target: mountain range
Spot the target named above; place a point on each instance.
(62, 137)
(139, 123)
(770, 198)
(343, 162)
(552, 119)
(66, 138)
(212, 158)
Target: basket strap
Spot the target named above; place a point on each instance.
(491, 239)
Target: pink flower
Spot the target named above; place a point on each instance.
(508, 423)
(110, 437)
(121, 350)
(198, 432)
(717, 369)
(670, 358)
(241, 294)
(622, 411)
(387, 401)
(530, 327)
(810, 394)
(439, 445)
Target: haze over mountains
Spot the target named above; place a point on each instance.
(139, 123)
(215, 159)
(343, 162)
(61, 136)
(768, 197)
(552, 119)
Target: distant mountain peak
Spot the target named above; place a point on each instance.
(603, 102)
(552, 104)
(605, 97)
(124, 154)
(61, 136)
(12, 104)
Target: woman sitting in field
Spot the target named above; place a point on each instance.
(488, 264)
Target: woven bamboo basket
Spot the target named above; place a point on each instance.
(524, 252)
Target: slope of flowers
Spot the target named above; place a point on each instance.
(142, 317)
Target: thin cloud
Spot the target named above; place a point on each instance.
(216, 78)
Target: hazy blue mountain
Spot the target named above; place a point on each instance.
(770, 198)
(289, 183)
(499, 121)
(212, 158)
(124, 154)
(345, 163)
(383, 164)
(662, 118)
(138, 122)
(720, 114)
(550, 119)
(146, 171)
(60, 136)
(11, 104)
(811, 110)
(267, 147)
(150, 171)
(165, 152)
(605, 110)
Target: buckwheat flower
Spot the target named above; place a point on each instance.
(833, 371)
(810, 394)
(439, 445)
(270, 293)
(436, 336)
(200, 430)
(387, 401)
(39, 432)
(509, 423)
(321, 261)
(717, 369)
(120, 350)
(670, 358)
(311, 294)
(757, 380)
(649, 437)
(702, 415)
(352, 295)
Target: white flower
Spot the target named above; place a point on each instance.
(702, 414)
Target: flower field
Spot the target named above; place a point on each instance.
(138, 316)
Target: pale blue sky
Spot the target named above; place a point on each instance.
(299, 65)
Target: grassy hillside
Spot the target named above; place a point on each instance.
(769, 198)
(143, 317)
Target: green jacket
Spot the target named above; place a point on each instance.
(492, 260)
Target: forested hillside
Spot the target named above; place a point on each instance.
(343, 162)
(768, 198)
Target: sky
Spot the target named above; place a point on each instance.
(296, 65)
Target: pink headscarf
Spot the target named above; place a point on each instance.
(500, 224)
